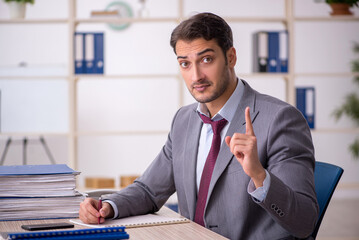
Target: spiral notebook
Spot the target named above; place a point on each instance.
(136, 221)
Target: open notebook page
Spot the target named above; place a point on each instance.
(135, 221)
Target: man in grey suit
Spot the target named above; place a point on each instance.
(260, 182)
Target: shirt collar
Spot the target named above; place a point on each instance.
(228, 110)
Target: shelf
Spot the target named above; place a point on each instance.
(348, 185)
(33, 134)
(343, 74)
(119, 133)
(159, 132)
(136, 20)
(132, 76)
(255, 19)
(263, 75)
(333, 130)
(124, 20)
(148, 76)
(139, 20)
(133, 20)
(33, 21)
(328, 19)
(91, 77)
(34, 77)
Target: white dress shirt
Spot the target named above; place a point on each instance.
(205, 140)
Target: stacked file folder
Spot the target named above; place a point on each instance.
(38, 192)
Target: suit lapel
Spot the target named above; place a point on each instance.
(236, 126)
(190, 160)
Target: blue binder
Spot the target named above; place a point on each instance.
(283, 51)
(306, 104)
(273, 51)
(260, 51)
(94, 53)
(99, 47)
(89, 53)
(93, 233)
(79, 53)
(36, 169)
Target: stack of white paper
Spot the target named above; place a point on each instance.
(37, 185)
(38, 192)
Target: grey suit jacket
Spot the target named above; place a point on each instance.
(285, 149)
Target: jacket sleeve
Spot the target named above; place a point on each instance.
(150, 191)
(291, 198)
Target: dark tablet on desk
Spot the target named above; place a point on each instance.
(47, 226)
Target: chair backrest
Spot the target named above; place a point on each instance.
(326, 177)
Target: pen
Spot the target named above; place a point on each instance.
(98, 208)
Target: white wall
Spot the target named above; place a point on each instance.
(143, 48)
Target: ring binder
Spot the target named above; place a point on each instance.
(99, 233)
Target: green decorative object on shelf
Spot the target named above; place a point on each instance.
(341, 7)
(351, 105)
(351, 3)
(21, 1)
(124, 11)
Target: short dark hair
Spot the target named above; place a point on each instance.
(204, 25)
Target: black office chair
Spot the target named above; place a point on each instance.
(326, 177)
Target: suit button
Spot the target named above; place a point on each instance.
(277, 210)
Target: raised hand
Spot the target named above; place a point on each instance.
(244, 148)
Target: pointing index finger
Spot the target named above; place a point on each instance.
(249, 126)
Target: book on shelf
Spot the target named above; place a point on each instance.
(270, 51)
(283, 51)
(89, 52)
(38, 192)
(104, 13)
(99, 233)
(273, 52)
(79, 53)
(306, 104)
(260, 51)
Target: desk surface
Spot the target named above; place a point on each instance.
(189, 230)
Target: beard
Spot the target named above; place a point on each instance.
(217, 92)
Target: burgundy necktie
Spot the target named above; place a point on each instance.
(217, 127)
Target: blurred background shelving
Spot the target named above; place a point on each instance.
(88, 119)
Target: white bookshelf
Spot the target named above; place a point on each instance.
(289, 21)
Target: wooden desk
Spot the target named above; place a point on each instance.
(189, 230)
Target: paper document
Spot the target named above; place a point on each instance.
(135, 221)
(38, 192)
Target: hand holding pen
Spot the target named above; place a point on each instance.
(94, 211)
(99, 208)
